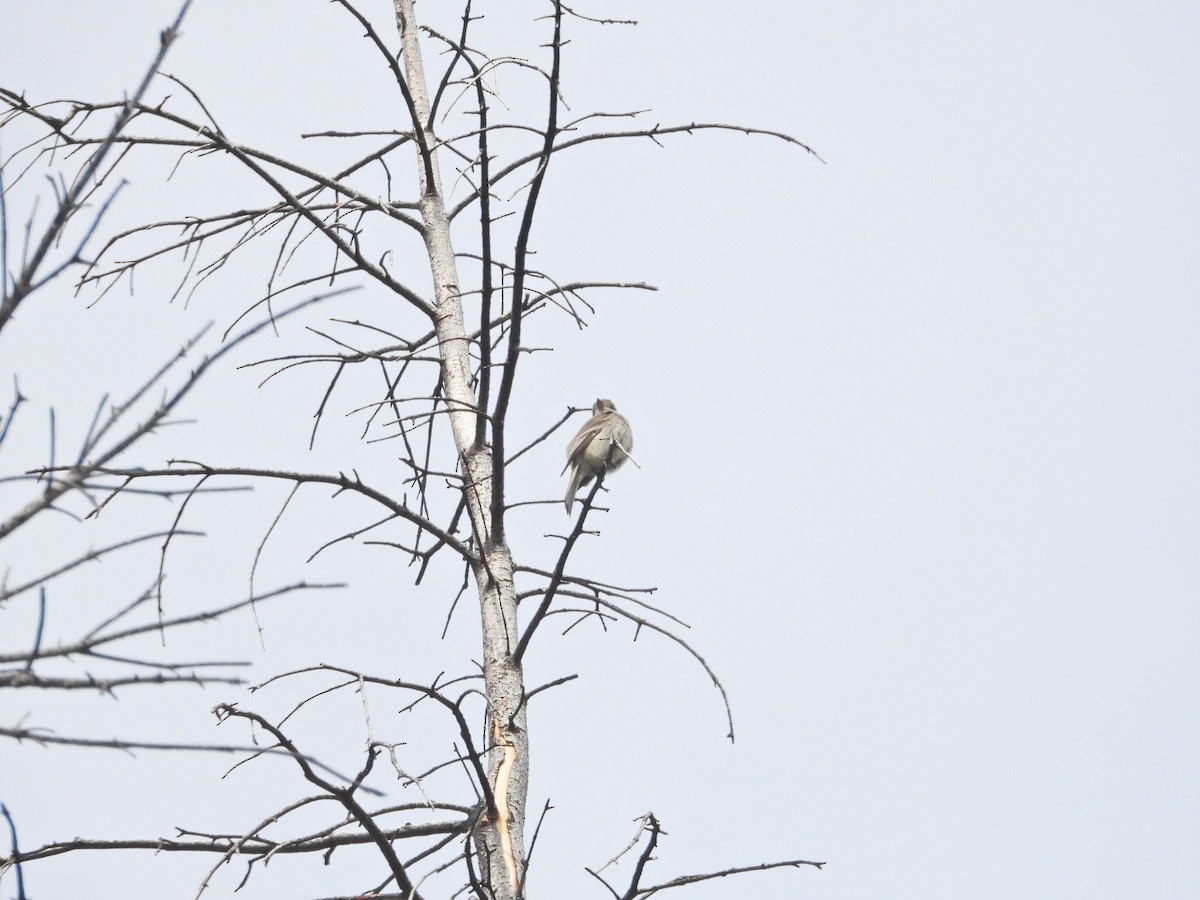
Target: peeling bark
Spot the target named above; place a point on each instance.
(499, 835)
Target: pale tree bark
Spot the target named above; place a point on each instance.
(500, 833)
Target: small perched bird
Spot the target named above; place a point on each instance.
(603, 444)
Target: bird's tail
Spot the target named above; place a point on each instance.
(572, 487)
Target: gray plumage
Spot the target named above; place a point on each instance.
(602, 445)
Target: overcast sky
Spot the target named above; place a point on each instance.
(917, 427)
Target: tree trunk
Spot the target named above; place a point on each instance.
(499, 835)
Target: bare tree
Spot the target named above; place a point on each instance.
(447, 376)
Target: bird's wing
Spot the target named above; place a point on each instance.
(589, 430)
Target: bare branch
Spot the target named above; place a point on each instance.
(651, 133)
(345, 796)
(504, 394)
(188, 469)
(78, 475)
(228, 845)
(71, 200)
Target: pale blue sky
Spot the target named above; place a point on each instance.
(917, 430)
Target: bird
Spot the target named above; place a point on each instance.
(602, 445)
